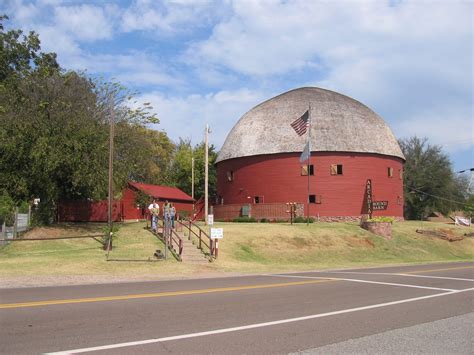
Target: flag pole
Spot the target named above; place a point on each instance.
(309, 158)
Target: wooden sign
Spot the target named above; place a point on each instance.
(379, 205)
(368, 191)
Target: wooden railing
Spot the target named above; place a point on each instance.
(204, 240)
(171, 238)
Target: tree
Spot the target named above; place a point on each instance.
(181, 169)
(429, 182)
(54, 130)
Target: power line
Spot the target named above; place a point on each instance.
(441, 198)
(463, 171)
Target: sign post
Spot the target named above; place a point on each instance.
(216, 234)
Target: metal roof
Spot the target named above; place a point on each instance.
(161, 192)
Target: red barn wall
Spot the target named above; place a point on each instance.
(88, 211)
(277, 178)
(131, 212)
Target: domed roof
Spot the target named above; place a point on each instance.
(338, 124)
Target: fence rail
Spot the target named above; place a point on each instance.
(203, 238)
(171, 238)
(21, 223)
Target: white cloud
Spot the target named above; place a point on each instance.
(84, 22)
(185, 116)
(410, 62)
(169, 16)
(446, 127)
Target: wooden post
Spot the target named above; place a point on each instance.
(189, 229)
(200, 247)
(206, 175)
(29, 217)
(15, 223)
(111, 169)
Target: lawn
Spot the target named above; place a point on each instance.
(246, 248)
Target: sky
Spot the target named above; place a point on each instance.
(206, 61)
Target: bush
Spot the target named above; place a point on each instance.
(303, 220)
(7, 208)
(264, 220)
(381, 219)
(244, 220)
(184, 214)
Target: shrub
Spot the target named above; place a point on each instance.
(303, 220)
(264, 220)
(244, 219)
(381, 219)
(7, 206)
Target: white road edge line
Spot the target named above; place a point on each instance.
(367, 282)
(399, 274)
(252, 326)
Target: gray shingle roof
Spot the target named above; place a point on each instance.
(338, 124)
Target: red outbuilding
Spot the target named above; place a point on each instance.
(181, 200)
(126, 209)
(356, 164)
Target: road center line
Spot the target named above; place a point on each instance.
(253, 326)
(368, 282)
(159, 294)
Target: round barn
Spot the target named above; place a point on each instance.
(355, 160)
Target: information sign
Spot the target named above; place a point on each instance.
(210, 219)
(217, 233)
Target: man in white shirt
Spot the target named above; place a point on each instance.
(154, 209)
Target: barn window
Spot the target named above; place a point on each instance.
(230, 175)
(390, 172)
(258, 199)
(304, 170)
(315, 199)
(336, 169)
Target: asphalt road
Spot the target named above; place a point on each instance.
(261, 314)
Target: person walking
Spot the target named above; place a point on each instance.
(166, 211)
(154, 209)
(172, 215)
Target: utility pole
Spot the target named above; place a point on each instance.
(192, 177)
(206, 173)
(111, 169)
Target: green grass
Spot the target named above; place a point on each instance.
(246, 248)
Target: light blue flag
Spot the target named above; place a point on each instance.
(306, 152)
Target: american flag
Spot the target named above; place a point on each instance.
(301, 124)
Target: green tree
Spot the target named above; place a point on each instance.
(429, 182)
(54, 130)
(181, 168)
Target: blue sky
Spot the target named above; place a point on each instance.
(208, 61)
